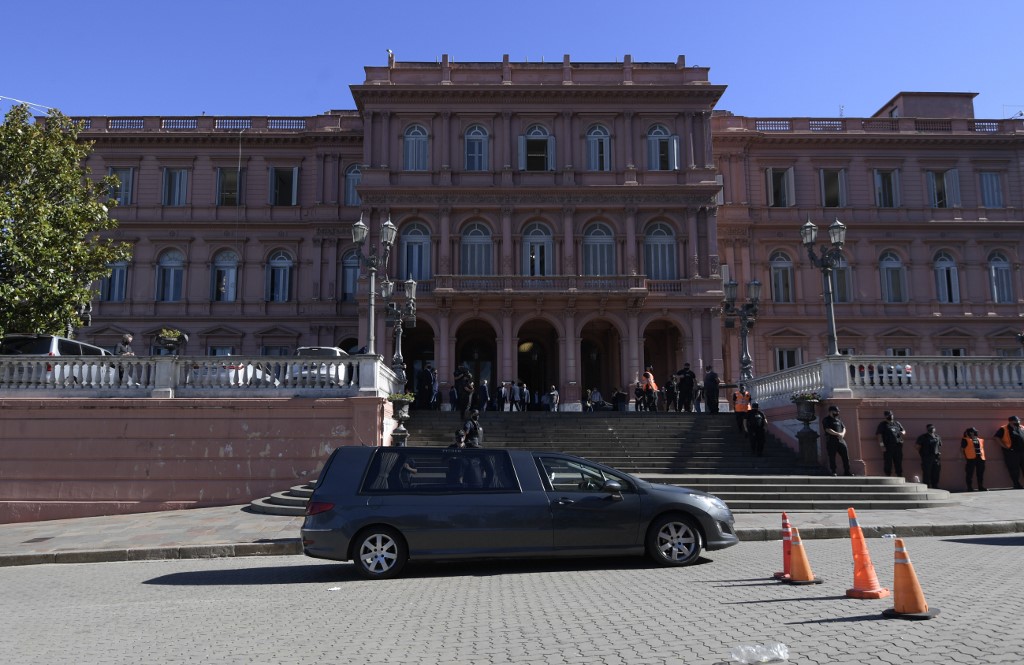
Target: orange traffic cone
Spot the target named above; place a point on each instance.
(800, 568)
(907, 596)
(787, 548)
(865, 582)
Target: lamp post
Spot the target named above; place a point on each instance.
(826, 261)
(372, 260)
(747, 315)
(399, 315)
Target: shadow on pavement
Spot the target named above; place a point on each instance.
(345, 572)
(1012, 541)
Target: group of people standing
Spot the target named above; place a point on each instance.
(890, 435)
(682, 392)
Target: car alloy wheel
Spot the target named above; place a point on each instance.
(674, 540)
(380, 553)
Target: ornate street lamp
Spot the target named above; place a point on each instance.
(747, 315)
(398, 315)
(826, 261)
(374, 261)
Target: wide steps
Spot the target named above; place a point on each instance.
(700, 451)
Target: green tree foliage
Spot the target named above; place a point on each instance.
(51, 217)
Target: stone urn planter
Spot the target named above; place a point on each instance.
(171, 340)
(400, 404)
(807, 412)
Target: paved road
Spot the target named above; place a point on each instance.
(291, 609)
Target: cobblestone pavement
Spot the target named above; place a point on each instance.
(291, 609)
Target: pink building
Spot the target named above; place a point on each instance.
(567, 223)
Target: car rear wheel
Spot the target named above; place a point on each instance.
(674, 540)
(380, 553)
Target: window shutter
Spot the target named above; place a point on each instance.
(652, 153)
(790, 188)
(878, 189)
(952, 178)
(896, 188)
(842, 188)
(769, 188)
(673, 153)
(933, 199)
(295, 185)
(270, 186)
(551, 153)
(522, 152)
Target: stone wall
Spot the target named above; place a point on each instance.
(62, 458)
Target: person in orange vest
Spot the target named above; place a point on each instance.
(974, 453)
(741, 405)
(1011, 437)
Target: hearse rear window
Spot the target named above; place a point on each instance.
(397, 470)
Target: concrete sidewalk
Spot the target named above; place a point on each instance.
(234, 531)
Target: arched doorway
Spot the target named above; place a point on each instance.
(600, 361)
(418, 352)
(537, 360)
(476, 349)
(662, 344)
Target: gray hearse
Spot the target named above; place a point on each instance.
(381, 507)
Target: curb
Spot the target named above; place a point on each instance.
(293, 546)
(750, 534)
(282, 547)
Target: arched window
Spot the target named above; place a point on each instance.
(170, 275)
(349, 276)
(536, 149)
(893, 276)
(476, 250)
(476, 148)
(279, 276)
(947, 285)
(224, 277)
(598, 149)
(353, 175)
(999, 277)
(598, 250)
(662, 149)
(660, 252)
(414, 249)
(782, 277)
(415, 148)
(537, 250)
(114, 286)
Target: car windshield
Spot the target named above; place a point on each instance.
(14, 346)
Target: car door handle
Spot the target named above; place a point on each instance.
(564, 501)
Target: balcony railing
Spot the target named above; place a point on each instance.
(468, 283)
(205, 376)
(893, 377)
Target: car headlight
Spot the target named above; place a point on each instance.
(710, 501)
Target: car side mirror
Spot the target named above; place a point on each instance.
(614, 488)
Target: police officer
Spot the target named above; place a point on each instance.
(741, 404)
(973, 449)
(835, 440)
(929, 446)
(890, 435)
(756, 424)
(1011, 438)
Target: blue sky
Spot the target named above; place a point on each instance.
(787, 58)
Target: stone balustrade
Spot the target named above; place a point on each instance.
(199, 376)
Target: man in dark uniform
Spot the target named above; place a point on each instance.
(929, 445)
(756, 425)
(1011, 438)
(835, 440)
(687, 381)
(890, 437)
(711, 385)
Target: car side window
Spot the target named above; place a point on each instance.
(566, 475)
(66, 347)
(444, 470)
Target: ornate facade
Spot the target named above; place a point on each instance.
(566, 223)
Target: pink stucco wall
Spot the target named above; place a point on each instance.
(63, 458)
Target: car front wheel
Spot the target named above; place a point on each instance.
(380, 553)
(674, 540)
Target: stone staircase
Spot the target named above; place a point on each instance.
(701, 451)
